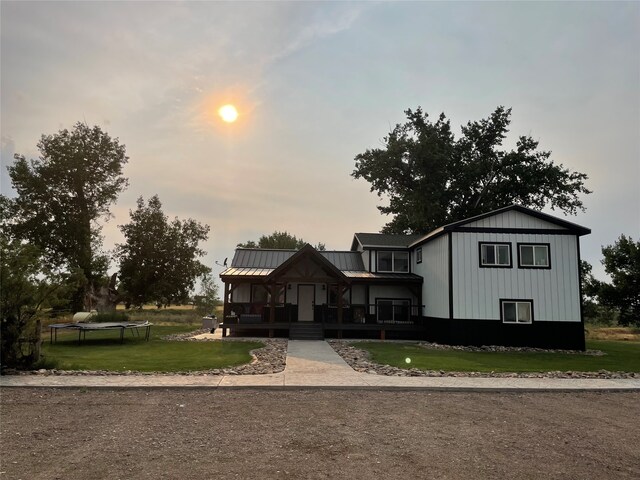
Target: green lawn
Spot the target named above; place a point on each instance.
(620, 356)
(103, 351)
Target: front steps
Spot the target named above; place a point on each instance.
(306, 331)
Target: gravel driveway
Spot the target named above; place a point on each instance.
(316, 434)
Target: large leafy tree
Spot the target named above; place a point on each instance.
(64, 193)
(159, 259)
(431, 178)
(279, 240)
(26, 286)
(622, 263)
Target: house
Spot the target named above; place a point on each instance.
(507, 277)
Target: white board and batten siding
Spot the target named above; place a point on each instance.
(434, 269)
(513, 219)
(477, 291)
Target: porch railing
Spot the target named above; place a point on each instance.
(351, 314)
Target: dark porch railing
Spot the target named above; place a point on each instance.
(252, 313)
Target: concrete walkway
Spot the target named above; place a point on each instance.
(314, 364)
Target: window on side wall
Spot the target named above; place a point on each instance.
(419, 255)
(495, 255)
(393, 261)
(516, 311)
(533, 255)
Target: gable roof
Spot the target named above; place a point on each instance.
(459, 226)
(309, 252)
(574, 227)
(384, 240)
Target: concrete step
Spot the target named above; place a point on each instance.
(306, 331)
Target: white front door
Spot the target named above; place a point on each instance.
(306, 300)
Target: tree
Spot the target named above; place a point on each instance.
(279, 240)
(431, 178)
(63, 194)
(207, 298)
(622, 263)
(26, 286)
(159, 260)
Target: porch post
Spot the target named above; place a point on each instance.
(340, 303)
(272, 314)
(339, 309)
(225, 308)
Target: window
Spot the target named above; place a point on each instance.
(260, 294)
(533, 255)
(393, 261)
(419, 255)
(333, 296)
(393, 310)
(517, 311)
(495, 255)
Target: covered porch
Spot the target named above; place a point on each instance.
(308, 289)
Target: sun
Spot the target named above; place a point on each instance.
(228, 113)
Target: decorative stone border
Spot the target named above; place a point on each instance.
(268, 359)
(359, 360)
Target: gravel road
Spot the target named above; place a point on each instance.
(316, 434)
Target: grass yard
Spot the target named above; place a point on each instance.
(620, 356)
(103, 351)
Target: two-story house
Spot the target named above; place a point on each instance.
(508, 277)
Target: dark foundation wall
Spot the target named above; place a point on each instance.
(562, 335)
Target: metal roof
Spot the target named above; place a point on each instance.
(385, 240)
(383, 276)
(345, 260)
(257, 258)
(247, 272)
(260, 258)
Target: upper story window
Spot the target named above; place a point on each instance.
(533, 255)
(495, 254)
(393, 261)
(419, 255)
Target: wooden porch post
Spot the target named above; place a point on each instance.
(225, 308)
(272, 314)
(339, 310)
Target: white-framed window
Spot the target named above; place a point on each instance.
(396, 310)
(516, 311)
(419, 255)
(495, 254)
(393, 261)
(533, 255)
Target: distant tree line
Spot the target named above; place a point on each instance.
(50, 234)
(279, 240)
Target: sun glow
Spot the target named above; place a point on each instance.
(228, 113)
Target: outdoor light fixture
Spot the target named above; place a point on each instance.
(289, 287)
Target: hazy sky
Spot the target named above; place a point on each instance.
(316, 84)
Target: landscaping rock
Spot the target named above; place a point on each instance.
(359, 360)
(269, 359)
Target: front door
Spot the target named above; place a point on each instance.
(306, 300)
